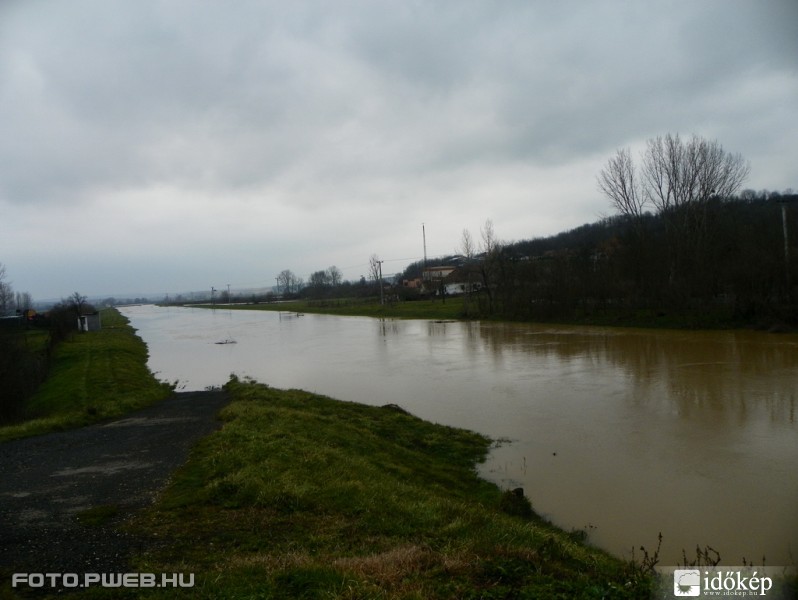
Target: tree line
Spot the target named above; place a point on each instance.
(27, 344)
(683, 240)
(328, 283)
(742, 272)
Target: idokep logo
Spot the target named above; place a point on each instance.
(746, 581)
(687, 582)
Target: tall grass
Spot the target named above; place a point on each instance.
(302, 496)
(94, 375)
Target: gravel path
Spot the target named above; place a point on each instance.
(47, 481)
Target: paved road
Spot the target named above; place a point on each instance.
(45, 481)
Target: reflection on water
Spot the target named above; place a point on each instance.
(624, 432)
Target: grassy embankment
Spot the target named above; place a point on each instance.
(95, 375)
(302, 496)
(455, 308)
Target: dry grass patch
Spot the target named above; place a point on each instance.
(391, 568)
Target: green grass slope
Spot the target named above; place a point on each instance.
(302, 496)
(95, 375)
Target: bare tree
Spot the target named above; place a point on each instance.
(6, 292)
(283, 279)
(78, 302)
(680, 179)
(489, 266)
(467, 246)
(681, 174)
(23, 300)
(674, 174)
(288, 283)
(468, 250)
(319, 280)
(335, 276)
(618, 181)
(374, 267)
(488, 237)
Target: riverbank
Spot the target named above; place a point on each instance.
(95, 376)
(456, 308)
(299, 495)
(225, 515)
(452, 309)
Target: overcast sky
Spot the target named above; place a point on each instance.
(164, 146)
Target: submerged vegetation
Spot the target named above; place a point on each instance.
(302, 496)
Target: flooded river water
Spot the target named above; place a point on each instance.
(625, 433)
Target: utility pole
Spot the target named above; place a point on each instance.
(229, 300)
(213, 303)
(424, 235)
(382, 291)
(424, 271)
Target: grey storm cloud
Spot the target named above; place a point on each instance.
(116, 93)
(365, 104)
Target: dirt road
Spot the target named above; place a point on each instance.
(49, 482)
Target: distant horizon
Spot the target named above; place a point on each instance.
(168, 146)
(158, 296)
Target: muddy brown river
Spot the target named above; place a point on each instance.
(624, 433)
